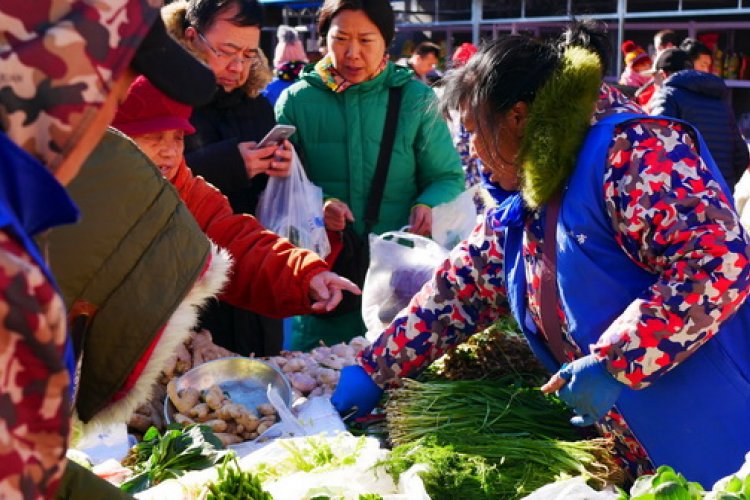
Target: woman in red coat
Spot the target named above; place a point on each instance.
(269, 275)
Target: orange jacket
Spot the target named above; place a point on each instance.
(270, 276)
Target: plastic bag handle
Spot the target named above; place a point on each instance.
(416, 239)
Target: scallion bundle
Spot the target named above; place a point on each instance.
(461, 409)
(490, 439)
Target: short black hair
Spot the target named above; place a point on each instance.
(380, 12)
(695, 49)
(201, 14)
(426, 48)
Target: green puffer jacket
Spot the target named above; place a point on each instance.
(339, 137)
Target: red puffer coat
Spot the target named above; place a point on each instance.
(270, 276)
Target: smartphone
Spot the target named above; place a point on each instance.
(276, 135)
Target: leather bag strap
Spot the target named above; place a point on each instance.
(548, 296)
(372, 212)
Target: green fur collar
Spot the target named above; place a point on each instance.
(558, 121)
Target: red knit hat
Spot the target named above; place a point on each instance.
(146, 109)
(634, 53)
(463, 53)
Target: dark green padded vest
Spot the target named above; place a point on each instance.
(125, 267)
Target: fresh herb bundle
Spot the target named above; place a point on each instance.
(454, 411)
(157, 458)
(235, 484)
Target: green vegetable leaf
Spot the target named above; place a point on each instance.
(172, 455)
(151, 434)
(734, 485)
(642, 486)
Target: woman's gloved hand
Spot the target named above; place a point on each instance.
(586, 386)
(356, 389)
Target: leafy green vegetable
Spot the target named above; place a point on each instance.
(235, 484)
(178, 451)
(313, 454)
(665, 484)
(501, 467)
(732, 488)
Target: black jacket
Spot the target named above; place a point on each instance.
(212, 152)
(230, 118)
(703, 100)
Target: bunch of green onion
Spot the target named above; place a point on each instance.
(490, 438)
(465, 408)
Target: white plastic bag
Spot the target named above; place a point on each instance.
(574, 488)
(292, 207)
(741, 198)
(400, 263)
(452, 222)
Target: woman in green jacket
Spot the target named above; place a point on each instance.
(339, 109)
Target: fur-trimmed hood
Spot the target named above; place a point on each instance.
(559, 119)
(173, 15)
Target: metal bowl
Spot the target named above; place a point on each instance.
(244, 380)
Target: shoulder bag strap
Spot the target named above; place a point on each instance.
(548, 296)
(372, 211)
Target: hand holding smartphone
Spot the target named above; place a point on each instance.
(276, 136)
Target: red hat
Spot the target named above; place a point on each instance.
(634, 53)
(463, 53)
(146, 109)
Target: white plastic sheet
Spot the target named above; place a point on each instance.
(346, 482)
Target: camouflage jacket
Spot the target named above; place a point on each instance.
(468, 291)
(58, 62)
(35, 384)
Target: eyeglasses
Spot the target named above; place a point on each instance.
(251, 59)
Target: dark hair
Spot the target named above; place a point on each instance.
(589, 34)
(694, 48)
(665, 37)
(426, 48)
(201, 14)
(380, 13)
(504, 71)
(512, 69)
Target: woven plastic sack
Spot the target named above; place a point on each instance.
(292, 207)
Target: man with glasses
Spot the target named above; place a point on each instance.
(226, 34)
(231, 54)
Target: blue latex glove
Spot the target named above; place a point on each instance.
(356, 389)
(590, 389)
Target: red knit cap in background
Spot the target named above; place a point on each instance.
(462, 54)
(146, 110)
(634, 53)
